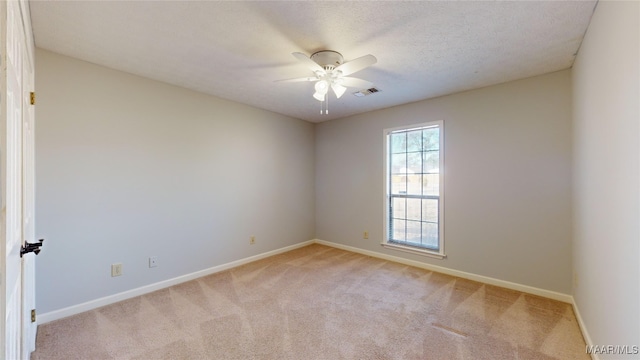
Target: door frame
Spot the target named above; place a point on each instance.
(29, 321)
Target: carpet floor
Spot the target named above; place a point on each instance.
(319, 302)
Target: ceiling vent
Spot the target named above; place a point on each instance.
(366, 92)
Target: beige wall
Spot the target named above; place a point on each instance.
(507, 180)
(128, 168)
(606, 250)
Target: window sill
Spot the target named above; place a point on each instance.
(412, 250)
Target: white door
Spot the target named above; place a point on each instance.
(16, 179)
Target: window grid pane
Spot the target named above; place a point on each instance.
(414, 183)
(414, 221)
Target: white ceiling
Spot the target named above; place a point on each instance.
(236, 50)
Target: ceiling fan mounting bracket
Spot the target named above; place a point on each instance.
(326, 58)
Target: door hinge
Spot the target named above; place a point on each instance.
(33, 315)
(33, 98)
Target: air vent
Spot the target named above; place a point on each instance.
(366, 92)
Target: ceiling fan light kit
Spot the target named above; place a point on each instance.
(330, 73)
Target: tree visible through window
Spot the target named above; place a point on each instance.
(414, 185)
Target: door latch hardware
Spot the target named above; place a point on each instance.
(29, 247)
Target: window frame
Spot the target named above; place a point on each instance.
(440, 252)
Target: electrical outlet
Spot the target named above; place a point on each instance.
(252, 240)
(116, 270)
(153, 261)
(365, 235)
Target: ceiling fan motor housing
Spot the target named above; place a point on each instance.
(326, 58)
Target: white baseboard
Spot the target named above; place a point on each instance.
(583, 328)
(483, 279)
(94, 304)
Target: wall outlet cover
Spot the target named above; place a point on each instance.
(116, 270)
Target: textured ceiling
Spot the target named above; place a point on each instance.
(237, 50)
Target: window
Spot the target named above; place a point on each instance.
(414, 184)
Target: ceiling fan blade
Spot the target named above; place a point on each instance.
(356, 64)
(311, 78)
(355, 82)
(308, 62)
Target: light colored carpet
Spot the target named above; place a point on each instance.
(319, 302)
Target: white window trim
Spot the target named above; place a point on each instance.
(440, 254)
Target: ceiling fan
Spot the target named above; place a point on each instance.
(330, 71)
